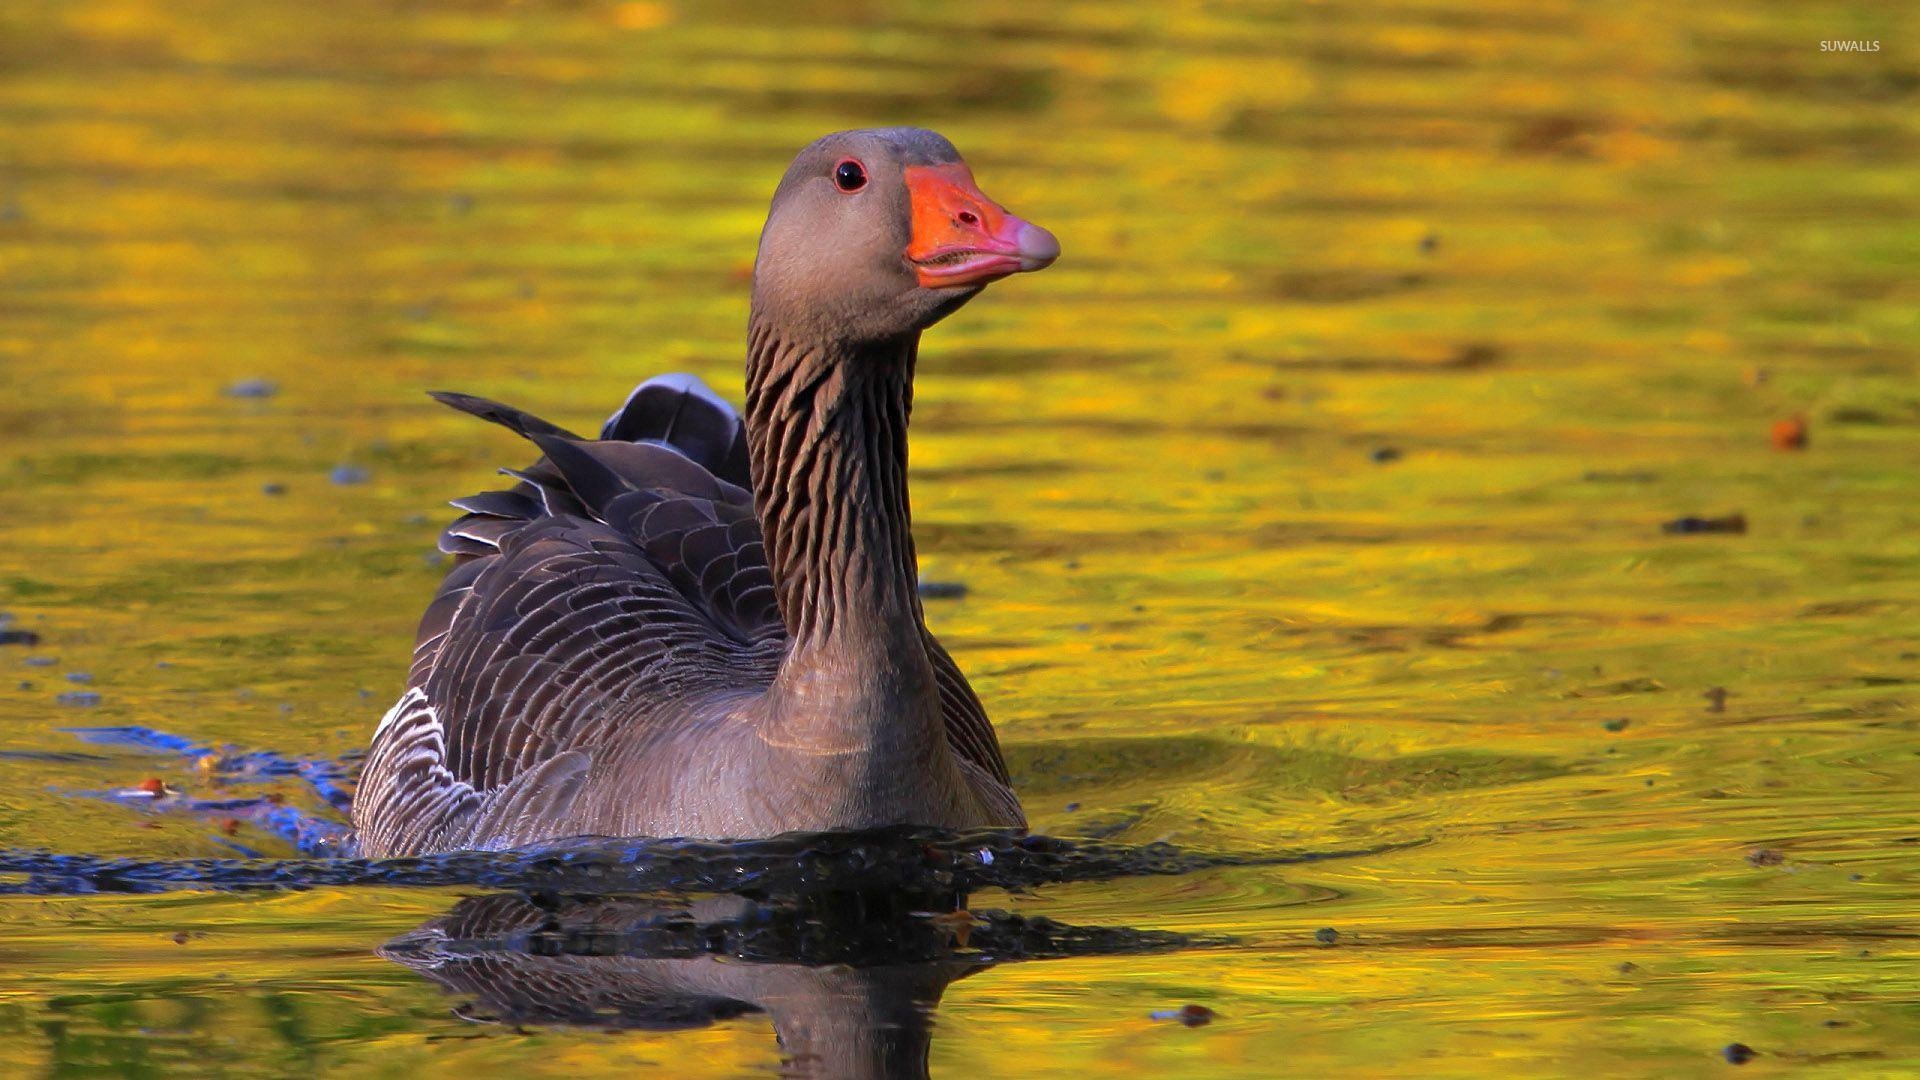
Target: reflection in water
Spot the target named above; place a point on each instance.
(849, 981)
(845, 941)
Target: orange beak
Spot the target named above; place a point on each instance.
(961, 237)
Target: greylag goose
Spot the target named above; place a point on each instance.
(699, 625)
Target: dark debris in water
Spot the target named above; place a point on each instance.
(1189, 1015)
(1735, 524)
(942, 590)
(1738, 1053)
(257, 389)
(18, 637)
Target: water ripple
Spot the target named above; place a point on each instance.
(896, 860)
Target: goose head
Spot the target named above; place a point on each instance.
(878, 234)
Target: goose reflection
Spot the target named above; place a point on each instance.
(850, 982)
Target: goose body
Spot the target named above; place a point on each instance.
(707, 625)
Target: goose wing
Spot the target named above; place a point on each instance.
(614, 578)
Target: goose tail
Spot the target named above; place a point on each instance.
(681, 412)
(520, 422)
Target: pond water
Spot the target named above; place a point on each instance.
(1313, 502)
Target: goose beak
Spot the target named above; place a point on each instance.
(963, 238)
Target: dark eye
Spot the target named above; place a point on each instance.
(849, 176)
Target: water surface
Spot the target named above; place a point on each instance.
(1313, 501)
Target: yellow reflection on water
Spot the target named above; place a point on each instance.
(1313, 500)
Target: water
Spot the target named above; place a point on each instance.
(1312, 502)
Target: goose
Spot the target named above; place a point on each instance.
(705, 624)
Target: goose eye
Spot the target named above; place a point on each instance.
(849, 176)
